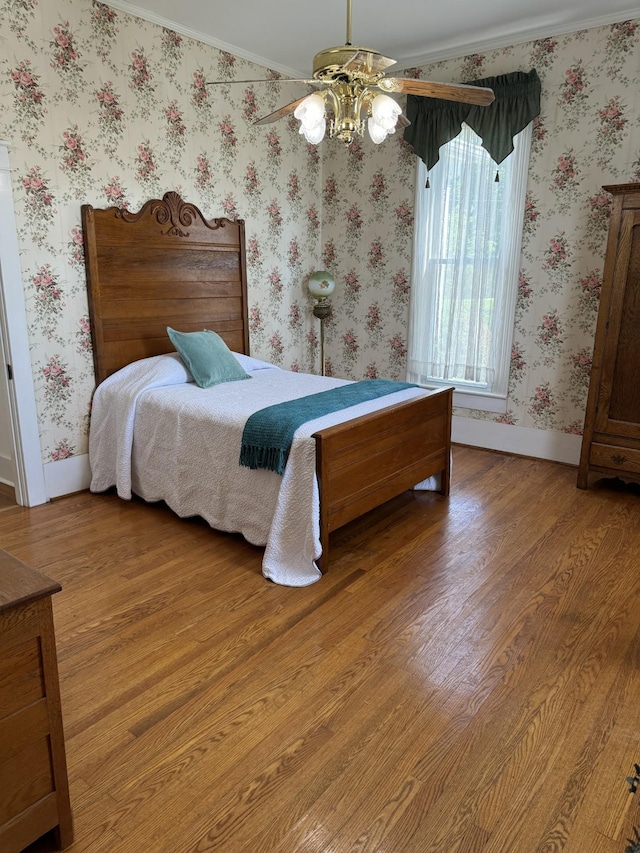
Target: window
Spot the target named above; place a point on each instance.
(466, 258)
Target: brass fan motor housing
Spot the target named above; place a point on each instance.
(329, 63)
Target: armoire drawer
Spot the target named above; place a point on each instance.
(615, 457)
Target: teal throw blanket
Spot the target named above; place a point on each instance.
(268, 433)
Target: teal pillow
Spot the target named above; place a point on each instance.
(208, 358)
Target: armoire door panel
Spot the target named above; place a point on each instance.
(619, 397)
(625, 381)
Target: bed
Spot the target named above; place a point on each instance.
(166, 265)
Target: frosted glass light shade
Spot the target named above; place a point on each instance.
(315, 134)
(321, 284)
(385, 112)
(310, 111)
(310, 114)
(377, 133)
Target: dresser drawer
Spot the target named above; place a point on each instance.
(614, 457)
(21, 677)
(18, 624)
(25, 779)
(34, 789)
(19, 729)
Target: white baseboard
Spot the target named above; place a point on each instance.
(67, 476)
(523, 441)
(74, 475)
(7, 472)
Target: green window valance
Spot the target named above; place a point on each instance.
(435, 122)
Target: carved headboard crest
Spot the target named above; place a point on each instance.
(172, 209)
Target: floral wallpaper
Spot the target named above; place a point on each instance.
(104, 108)
(588, 134)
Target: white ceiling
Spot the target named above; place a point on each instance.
(285, 34)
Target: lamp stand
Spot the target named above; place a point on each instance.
(321, 310)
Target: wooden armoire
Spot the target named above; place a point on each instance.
(611, 438)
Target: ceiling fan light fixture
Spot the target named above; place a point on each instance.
(349, 76)
(377, 133)
(385, 112)
(383, 118)
(310, 114)
(315, 134)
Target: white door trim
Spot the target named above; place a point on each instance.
(30, 485)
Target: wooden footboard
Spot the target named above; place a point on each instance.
(366, 461)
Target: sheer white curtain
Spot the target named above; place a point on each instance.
(466, 257)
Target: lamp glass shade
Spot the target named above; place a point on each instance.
(321, 284)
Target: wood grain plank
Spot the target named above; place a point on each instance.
(465, 678)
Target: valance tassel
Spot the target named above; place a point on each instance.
(497, 177)
(427, 184)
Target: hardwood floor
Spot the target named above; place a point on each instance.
(465, 678)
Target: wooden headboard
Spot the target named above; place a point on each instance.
(163, 266)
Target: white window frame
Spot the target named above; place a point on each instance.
(513, 173)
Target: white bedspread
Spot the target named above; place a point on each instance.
(156, 433)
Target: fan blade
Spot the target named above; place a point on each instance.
(402, 122)
(367, 62)
(263, 80)
(281, 113)
(446, 91)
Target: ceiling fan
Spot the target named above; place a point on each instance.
(352, 94)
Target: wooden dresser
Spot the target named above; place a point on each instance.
(34, 791)
(611, 438)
